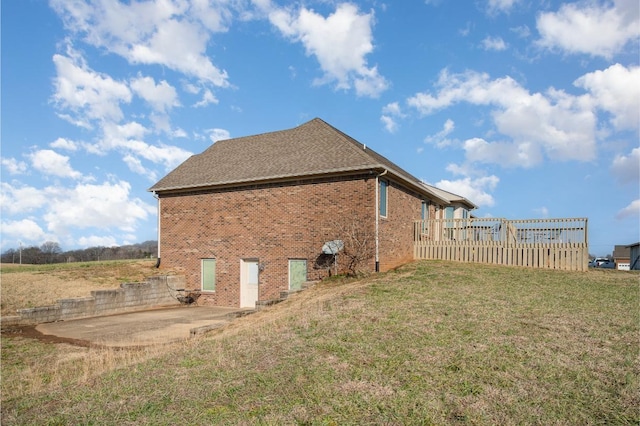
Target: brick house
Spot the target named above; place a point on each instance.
(622, 256)
(249, 217)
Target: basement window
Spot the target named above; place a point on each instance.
(208, 275)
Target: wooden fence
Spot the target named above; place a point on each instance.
(536, 243)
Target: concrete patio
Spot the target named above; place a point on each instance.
(155, 326)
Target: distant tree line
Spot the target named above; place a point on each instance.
(51, 252)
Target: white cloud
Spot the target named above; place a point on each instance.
(168, 155)
(465, 169)
(207, 98)
(190, 88)
(97, 241)
(162, 96)
(63, 143)
(504, 153)
(440, 138)
(390, 115)
(626, 169)
(117, 136)
(393, 109)
(390, 124)
(161, 122)
(51, 163)
(554, 123)
(615, 90)
(339, 42)
(135, 165)
(25, 230)
(91, 95)
(82, 122)
(218, 134)
(20, 199)
(214, 15)
(590, 28)
(369, 83)
(632, 210)
(174, 34)
(128, 139)
(105, 206)
(493, 43)
(495, 6)
(542, 211)
(179, 133)
(466, 30)
(13, 166)
(475, 190)
(522, 31)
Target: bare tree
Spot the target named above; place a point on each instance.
(50, 251)
(359, 245)
(32, 255)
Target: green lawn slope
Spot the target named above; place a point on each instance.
(431, 343)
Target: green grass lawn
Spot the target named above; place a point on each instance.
(431, 343)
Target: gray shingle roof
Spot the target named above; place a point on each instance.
(450, 196)
(621, 252)
(312, 149)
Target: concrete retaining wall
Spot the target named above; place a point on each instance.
(154, 292)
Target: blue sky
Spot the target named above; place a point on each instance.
(528, 108)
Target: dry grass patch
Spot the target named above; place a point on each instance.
(30, 367)
(434, 343)
(29, 286)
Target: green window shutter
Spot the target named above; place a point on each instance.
(208, 275)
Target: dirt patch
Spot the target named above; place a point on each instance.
(30, 332)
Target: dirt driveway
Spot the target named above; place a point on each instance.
(141, 328)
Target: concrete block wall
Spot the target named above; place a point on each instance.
(154, 292)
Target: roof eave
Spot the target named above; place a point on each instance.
(417, 185)
(267, 180)
(373, 169)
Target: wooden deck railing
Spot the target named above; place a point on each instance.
(538, 243)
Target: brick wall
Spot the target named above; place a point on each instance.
(271, 223)
(128, 298)
(274, 223)
(396, 230)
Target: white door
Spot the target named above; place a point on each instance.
(248, 283)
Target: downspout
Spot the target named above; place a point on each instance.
(377, 207)
(158, 261)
